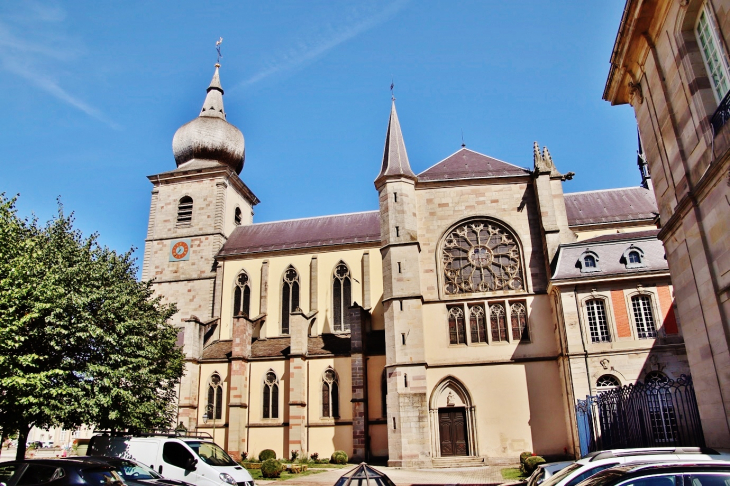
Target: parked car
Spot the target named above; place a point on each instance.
(193, 459)
(598, 461)
(135, 473)
(545, 471)
(673, 473)
(58, 472)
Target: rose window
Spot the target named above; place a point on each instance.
(481, 257)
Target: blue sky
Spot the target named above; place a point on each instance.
(94, 91)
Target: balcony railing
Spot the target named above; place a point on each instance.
(722, 114)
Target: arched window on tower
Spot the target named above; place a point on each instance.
(289, 297)
(330, 394)
(341, 297)
(214, 407)
(185, 211)
(271, 395)
(237, 217)
(242, 295)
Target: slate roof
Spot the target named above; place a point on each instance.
(610, 250)
(279, 347)
(395, 157)
(339, 229)
(467, 164)
(610, 206)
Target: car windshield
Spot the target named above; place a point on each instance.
(559, 476)
(211, 454)
(133, 470)
(101, 476)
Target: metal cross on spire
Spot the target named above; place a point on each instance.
(392, 85)
(218, 48)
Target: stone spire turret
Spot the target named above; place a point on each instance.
(210, 137)
(395, 157)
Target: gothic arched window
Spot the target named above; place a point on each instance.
(518, 316)
(289, 297)
(330, 394)
(185, 211)
(341, 296)
(481, 256)
(242, 295)
(478, 324)
(271, 395)
(498, 322)
(215, 397)
(457, 328)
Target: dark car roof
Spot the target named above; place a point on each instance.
(76, 461)
(625, 472)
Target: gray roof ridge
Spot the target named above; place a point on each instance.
(475, 152)
(592, 241)
(605, 190)
(310, 217)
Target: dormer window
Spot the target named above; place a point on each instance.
(633, 257)
(588, 262)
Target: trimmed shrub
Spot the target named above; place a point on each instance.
(339, 457)
(267, 454)
(532, 462)
(524, 456)
(271, 468)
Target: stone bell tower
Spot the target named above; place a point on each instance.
(408, 432)
(194, 209)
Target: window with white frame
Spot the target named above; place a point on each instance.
(597, 323)
(643, 316)
(271, 395)
(713, 53)
(607, 382)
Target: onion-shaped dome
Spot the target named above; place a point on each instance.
(210, 137)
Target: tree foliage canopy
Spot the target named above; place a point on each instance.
(81, 340)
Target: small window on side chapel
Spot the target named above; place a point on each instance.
(497, 318)
(242, 296)
(341, 297)
(289, 297)
(518, 315)
(330, 394)
(271, 395)
(215, 397)
(478, 324)
(716, 63)
(457, 329)
(185, 211)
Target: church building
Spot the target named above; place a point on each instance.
(457, 323)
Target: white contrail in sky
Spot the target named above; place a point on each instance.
(310, 49)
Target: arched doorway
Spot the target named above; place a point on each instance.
(453, 420)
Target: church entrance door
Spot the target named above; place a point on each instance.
(452, 429)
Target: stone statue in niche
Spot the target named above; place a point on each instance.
(450, 399)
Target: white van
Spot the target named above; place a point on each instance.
(194, 459)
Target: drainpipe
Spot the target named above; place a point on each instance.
(582, 338)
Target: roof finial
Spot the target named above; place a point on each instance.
(392, 85)
(218, 48)
(462, 139)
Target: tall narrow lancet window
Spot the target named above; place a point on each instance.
(289, 297)
(330, 394)
(271, 395)
(457, 328)
(481, 256)
(242, 295)
(518, 315)
(478, 322)
(341, 297)
(214, 406)
(498, 320)
(185, 211)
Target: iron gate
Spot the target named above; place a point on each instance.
(642, 415)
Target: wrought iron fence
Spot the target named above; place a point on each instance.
(657, 413)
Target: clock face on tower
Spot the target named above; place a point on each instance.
(180, 250)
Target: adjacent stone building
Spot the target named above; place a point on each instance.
(444, 326)
(670, 62)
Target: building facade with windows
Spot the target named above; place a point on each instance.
(436, 327)
(670, 62)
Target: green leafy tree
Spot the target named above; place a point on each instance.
(81, 340)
